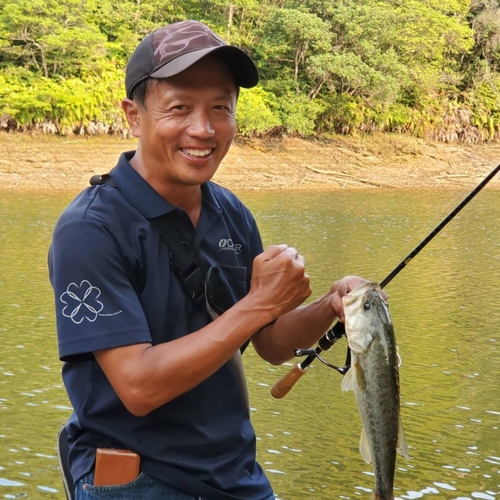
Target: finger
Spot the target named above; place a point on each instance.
(294, 258)
(338, 306)
(300, 260)
(349, 283)
(273, 251)
(344, 288)
(291, 253)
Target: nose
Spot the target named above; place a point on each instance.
(201, 125)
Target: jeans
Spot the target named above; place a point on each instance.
(144, 487)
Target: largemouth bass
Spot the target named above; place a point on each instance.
(374, 378)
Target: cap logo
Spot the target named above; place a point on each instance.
(181, 38)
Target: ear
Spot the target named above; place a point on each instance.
(133, 115)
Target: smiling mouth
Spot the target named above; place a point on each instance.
(197, 153)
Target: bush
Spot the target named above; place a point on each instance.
(68, 105)
(299, 113)
(254, 112)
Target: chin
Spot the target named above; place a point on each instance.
(201, 176)
(195, 180)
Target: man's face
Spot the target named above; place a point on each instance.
(187, 124)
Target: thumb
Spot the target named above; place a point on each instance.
(338, 306)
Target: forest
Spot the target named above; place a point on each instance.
(424, 67)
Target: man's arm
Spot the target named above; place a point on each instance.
(146, 377)
(302, 327)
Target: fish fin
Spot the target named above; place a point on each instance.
(349, 380)
(402, 444)
(364, 448)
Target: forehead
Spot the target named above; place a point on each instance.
(208, 75)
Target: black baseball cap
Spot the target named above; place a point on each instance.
(169, 50)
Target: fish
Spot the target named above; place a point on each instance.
(374, 378)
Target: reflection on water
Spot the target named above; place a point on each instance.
(445, 310)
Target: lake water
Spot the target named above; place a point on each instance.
(445, 307)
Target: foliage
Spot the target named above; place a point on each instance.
(425, 67)
(255, 116)
(63, 106)
(299, 114)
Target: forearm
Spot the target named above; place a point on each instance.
(300, 328)
(146, 377)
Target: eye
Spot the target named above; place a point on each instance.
(367, 306)
(178, 110)
(222, 107)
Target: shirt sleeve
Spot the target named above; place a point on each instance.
(97, 304)
(255, 243)
(256, 239)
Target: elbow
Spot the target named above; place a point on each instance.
(279, 360)
(141, 393)
(138, 400)
(136, 404)
(137, 409)
(274, 356)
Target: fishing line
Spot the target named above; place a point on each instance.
(434, 220)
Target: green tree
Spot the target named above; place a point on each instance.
(291, 35)
(255, 115)
(429, 67)
(50, 37)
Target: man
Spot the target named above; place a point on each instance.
(145, 368)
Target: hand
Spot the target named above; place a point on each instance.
(341, 288)
(279, 280)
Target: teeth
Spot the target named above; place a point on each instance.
(197, 152)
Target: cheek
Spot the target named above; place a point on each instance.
(165, 132)
(230, 128)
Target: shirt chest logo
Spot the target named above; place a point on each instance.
(227, 245)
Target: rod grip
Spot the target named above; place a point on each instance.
(281, 388)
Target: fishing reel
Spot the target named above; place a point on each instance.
(312, 352)
(326, 342)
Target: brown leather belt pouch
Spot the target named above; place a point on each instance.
(113, 467)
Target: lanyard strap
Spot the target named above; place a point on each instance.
(177, 231)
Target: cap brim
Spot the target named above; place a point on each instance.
(239, 62)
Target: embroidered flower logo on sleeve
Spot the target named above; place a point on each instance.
(80, 302)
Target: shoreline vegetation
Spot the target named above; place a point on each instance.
(430, 69)
(381, 160)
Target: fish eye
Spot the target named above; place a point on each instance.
(367, 306)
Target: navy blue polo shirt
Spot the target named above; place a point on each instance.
(113, 287)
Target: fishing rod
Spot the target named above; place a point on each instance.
(337, 331)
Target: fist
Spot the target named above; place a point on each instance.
(279, 279)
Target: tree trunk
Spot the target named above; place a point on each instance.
(230, 21)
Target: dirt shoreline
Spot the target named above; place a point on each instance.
(379, 161)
